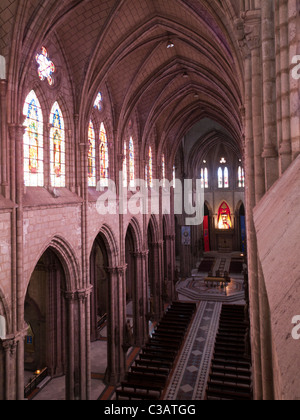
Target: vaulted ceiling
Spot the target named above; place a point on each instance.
(123, 44)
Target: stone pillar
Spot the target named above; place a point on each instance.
(141, 297)
(115, 325)
(260, 314)
(3, 137)
(283, 91)
(12, 367)
(158, 279)
(77, 345)
(270, 153)
(70, 366)
(170, 266)
(9, 348)
(294, 50)
(54, 322)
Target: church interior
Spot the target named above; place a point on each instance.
(117, 118)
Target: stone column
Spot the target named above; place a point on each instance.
(283, 91)
(3, 137)
(250, 204)
(12, 367)
(77, 345)
(158, 279)
(260, 314)
(9, 347)
(70, 366)
(294, 50)
(170, 265)
(141, 297)
(114, 329)
(270, 153)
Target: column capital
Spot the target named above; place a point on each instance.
(141, 254)
(3, 87)
(16, 131)
(248, 28)
(9, 345)
(116, 270)
(75, 295)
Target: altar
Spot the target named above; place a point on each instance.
(216, 282)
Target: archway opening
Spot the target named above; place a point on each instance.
(45, 316)
(131, 309)
(99, 308)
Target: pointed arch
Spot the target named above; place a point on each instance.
(68, 259)
(153, 229)
(135, 229)
(111, 245)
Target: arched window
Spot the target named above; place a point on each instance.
(226, 178)
(57, 148)
(33, 142)
(104, 161)
(241, 177)
(131, 162)
(125, 166)
(204, 178)
(98, 102)
(220, 178)
(150, 167)
(223, 177)
(91, 156)
(224, 217)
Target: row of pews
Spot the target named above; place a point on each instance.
(206, 265)
(236, 266)
(230, 375)
(149, 374)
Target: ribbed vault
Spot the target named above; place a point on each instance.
(123, 45)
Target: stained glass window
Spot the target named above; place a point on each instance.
(223, 178)
(104, 161)
(220, 178)
(98, 102)
(204, 178)
(226, 178)
(91, 156)
(125, 166)
(46, 67)
(131, 162)
(57, 148)
(150, 167)
(224, 217)
(33, 142)
(241, 177)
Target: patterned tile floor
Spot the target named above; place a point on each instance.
(189, 380)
